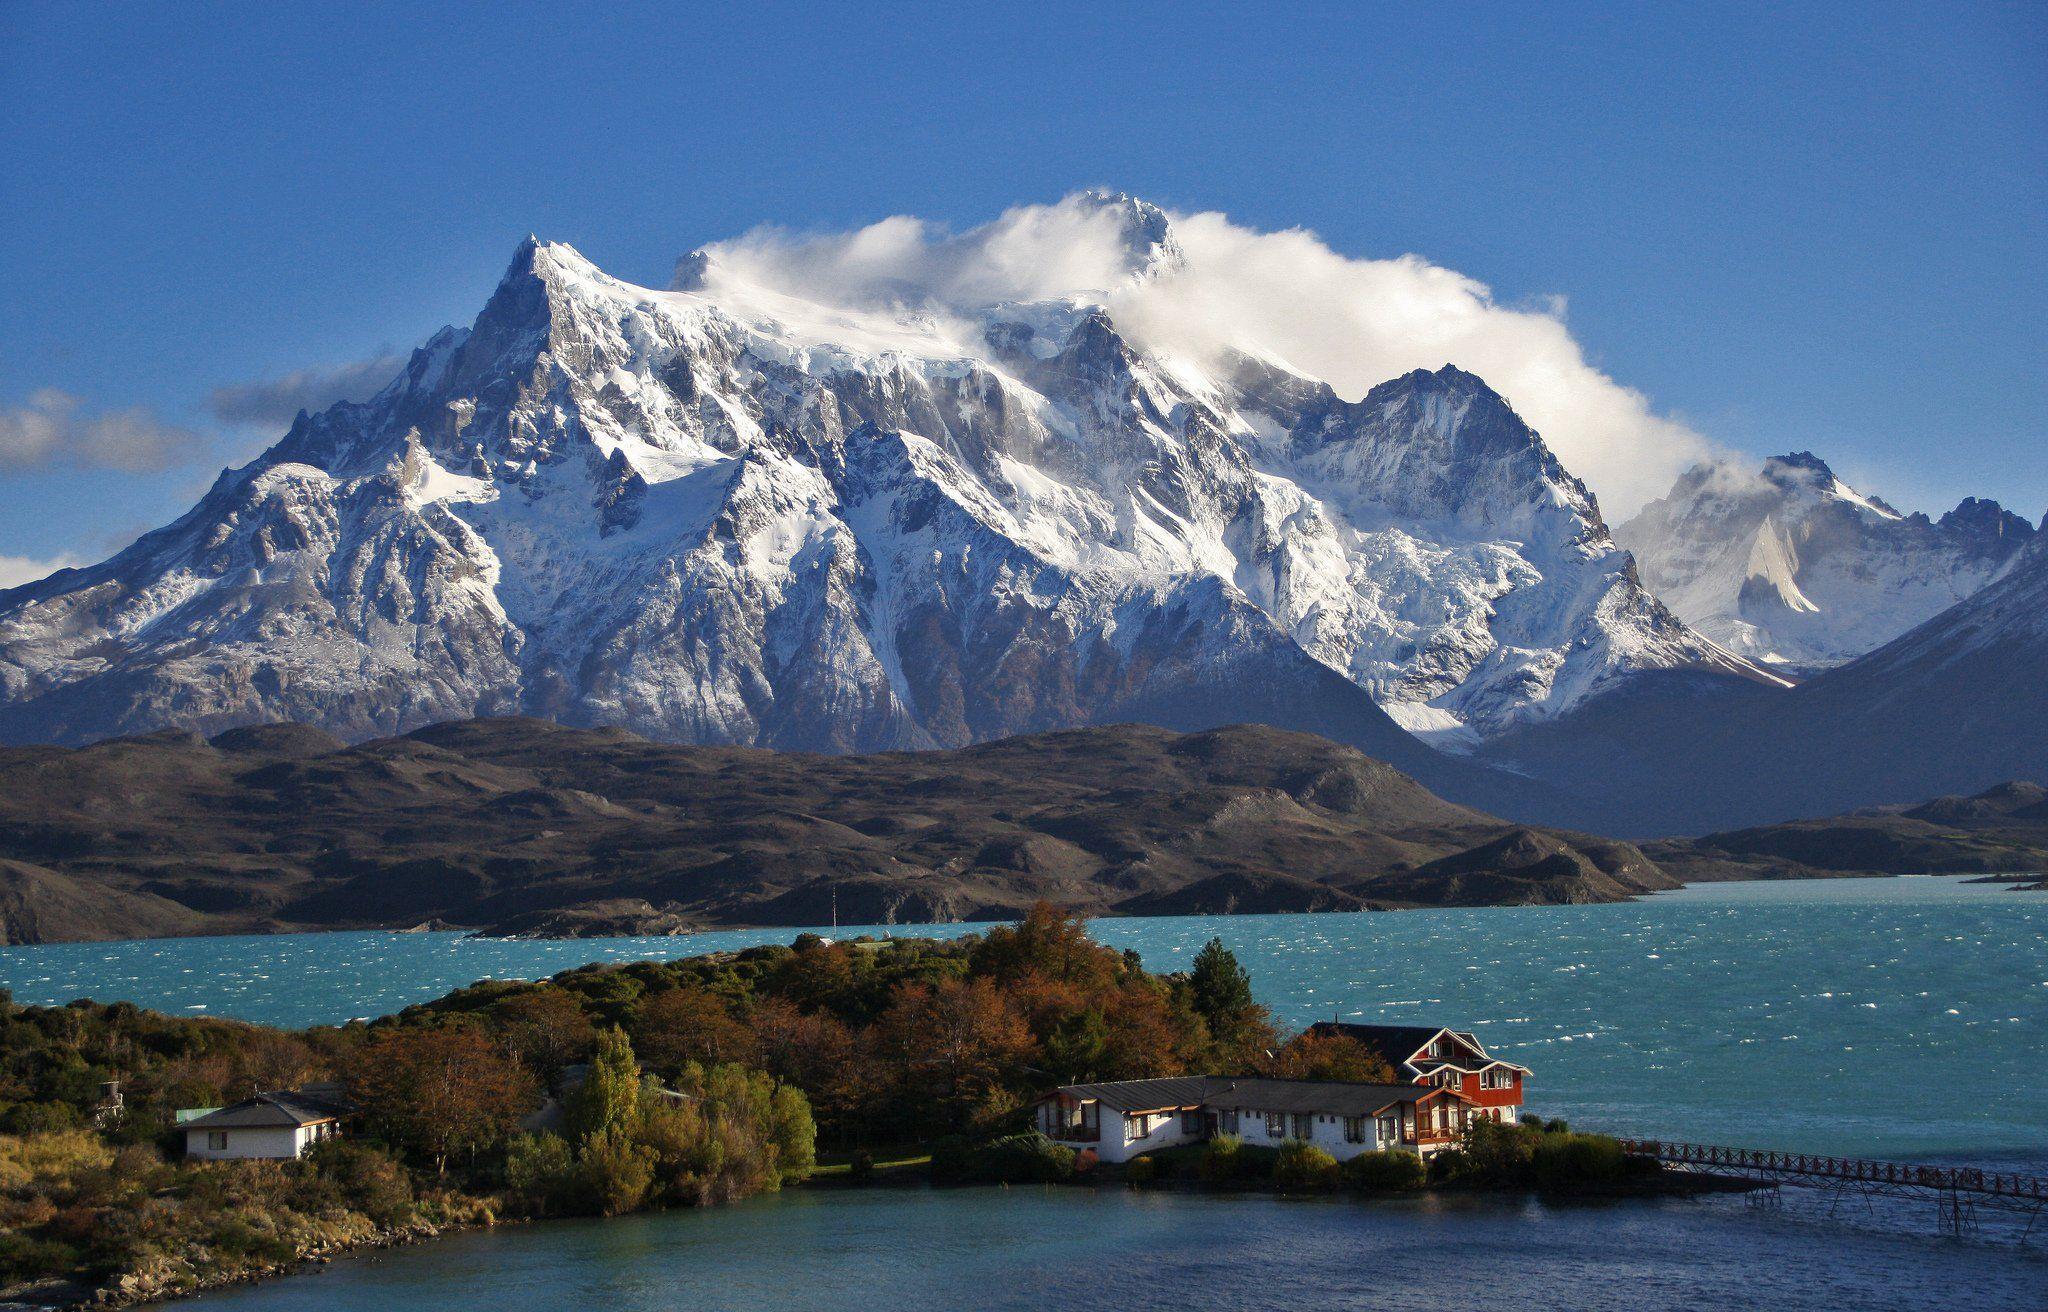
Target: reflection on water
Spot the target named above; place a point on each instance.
(915, 1250)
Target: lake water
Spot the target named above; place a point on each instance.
(1037, 1249)
(1901, 1018)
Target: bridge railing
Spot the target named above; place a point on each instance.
(1965, 1179)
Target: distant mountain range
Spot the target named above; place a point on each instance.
(718, 514)
(524, 827)
(1795, 569)
(723, 514)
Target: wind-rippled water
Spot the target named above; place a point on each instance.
(1899, 1018)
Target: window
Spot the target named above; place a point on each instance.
(217, 1141)
(1447, 1079)
(1190, 1122)
(1304, 1126)
(1227, 1122)
(1276, 1125)
(1354, 1129)
(1497, 1077)
(1138, 1127)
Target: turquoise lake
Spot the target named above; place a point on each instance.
(1901, 1018)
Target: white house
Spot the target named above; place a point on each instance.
(1435, 1054)
(278, 1126)
(1128, 1118)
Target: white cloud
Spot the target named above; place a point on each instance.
(1287, 295)
(55, 429)
(275, 402)
(17, 570)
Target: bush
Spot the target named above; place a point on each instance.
(1227, 1160)
(861, 1169)
(1141, 1170)
(540, 1171)
(368, 1179)
(1449, 1165)
(1302, 1165)
(1565, 1162)
(1386, 1171)
(1016, 1159)
(614, 1173)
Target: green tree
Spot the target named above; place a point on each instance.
(1078, 1046)
(793, 1132)
(1222, 987)
(609, 1100)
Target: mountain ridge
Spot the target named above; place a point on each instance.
(723, 515)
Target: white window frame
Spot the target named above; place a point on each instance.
(216, 1141)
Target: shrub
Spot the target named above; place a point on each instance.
(614, 1173)
(1228, 1160)
(540, 1170)
(1500, 1154)
(1449, 1165)
(1565, 1162)
(367, 1178)
(1386, 1171)
(1016, 1159)
(861, 1168)
(1302, 1165)
(1141, 1170)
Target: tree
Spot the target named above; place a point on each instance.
(1050, 941)
(440, 1091)
(608, 1101)
(687, 1024)
(956, 1043)
(546, 1029)
(1077, 1047)
(1222, 988)
(1312, 1056)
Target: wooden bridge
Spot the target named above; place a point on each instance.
(1958, 1190)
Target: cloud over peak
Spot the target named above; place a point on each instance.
(56, 429)
(275, 402)
(1198, 285)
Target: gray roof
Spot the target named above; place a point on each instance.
(1251, 1093)
(270, 1111)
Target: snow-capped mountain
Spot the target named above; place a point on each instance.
(721, 513)
(1791, 566)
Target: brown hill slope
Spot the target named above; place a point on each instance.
(534, 828)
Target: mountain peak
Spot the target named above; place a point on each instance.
(1803, 465)
(1144, 230)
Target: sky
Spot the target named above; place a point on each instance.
(1776, 230)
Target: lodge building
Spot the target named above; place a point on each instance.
(1447, 1081)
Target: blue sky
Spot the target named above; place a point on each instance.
(1790, 230)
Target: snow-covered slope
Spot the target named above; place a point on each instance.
(720, 513)
(1791, 566)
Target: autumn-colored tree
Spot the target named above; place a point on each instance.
(1313, 1056)
(1050, 942)
(608, 1100)
(440, 1091)
(956, 1043)
(546, 1029)
(687, 1024)
(823, 1056)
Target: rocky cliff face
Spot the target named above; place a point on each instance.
(719, 514)
(1792, 567)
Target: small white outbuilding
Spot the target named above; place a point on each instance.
(272, 1126)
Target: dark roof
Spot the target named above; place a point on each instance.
(1395, 1043)
(1251, 1093)
(1330, 1097)
(1145, 1095)
(292, 1108)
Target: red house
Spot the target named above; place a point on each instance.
(1446, 1058)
